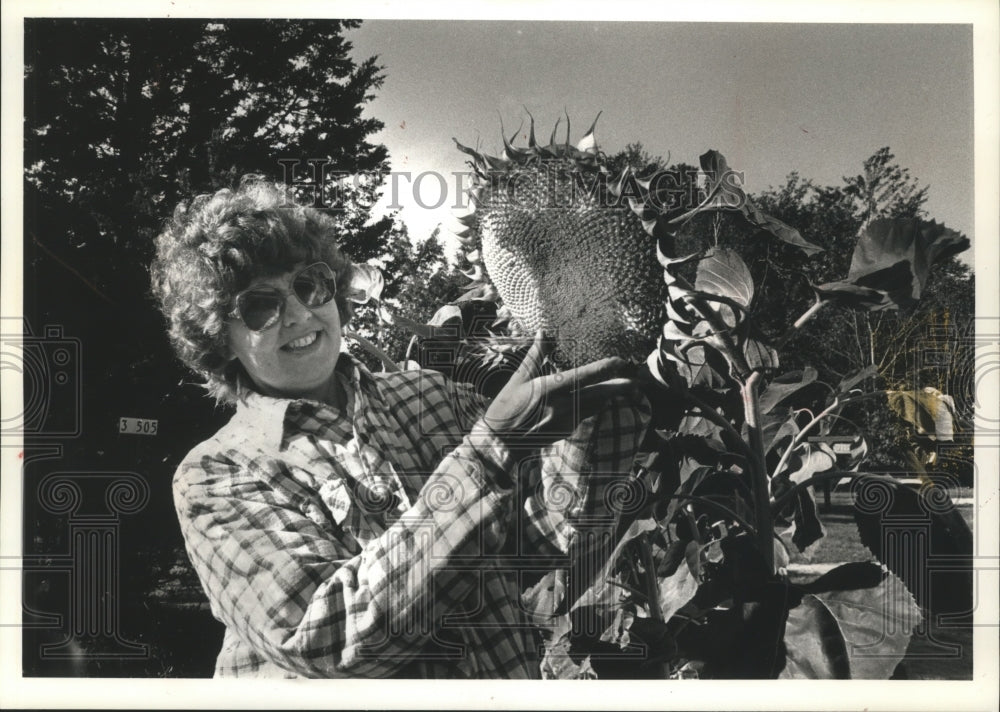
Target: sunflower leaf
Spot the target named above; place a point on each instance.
(929, 410)
(782, 387)
(891, 263)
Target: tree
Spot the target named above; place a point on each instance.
(636, 157)
(885, 189)
(418, 282)
(126, 117)
(842, 342)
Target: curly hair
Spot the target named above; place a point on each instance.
(213, 248)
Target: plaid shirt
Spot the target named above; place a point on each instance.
(375, 543)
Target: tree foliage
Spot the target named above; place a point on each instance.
(418, 281)
(885, 189)
(894, 341)
(126, 117)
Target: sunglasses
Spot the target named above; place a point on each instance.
(262, 307)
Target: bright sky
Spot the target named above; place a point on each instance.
(773, 98)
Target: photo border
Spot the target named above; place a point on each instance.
(979, 693)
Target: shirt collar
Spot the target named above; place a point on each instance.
(272, 418)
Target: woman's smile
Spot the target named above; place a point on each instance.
(302, 344)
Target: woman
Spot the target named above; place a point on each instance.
(345, 523)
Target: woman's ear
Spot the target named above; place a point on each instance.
(225, 354)
(227, 358)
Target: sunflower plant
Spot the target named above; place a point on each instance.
(696, 582)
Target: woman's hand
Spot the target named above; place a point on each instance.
(543, 409)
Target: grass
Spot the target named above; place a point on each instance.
(841, 542)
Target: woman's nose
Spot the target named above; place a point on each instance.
(295, 311)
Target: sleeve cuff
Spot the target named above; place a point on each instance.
(493, 454)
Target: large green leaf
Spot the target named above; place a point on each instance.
(700, 334)
(784, 232)
(724, 274)
(365, 283)
(697, 362)
(680, 587)
(848, 383)
(846, 577)
(924, 519)
(815, 647)
(876, 623)
(558, 663)
(671, 262)
(757, 353)
(891, 263)
(697, 457)
(807, 528)
(782, 387)
(808, 459)
(703, 357)
(929, 410)
(670, 558)
(665, 370)
(778, 427)
(870, 291)
(699, 426)
(545, 602)
(854, 621)
(724, 191)
(602, 591)
(888, 241)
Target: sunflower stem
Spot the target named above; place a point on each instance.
(652, 592)
(800, 322)
(758, 470)
(387, 363)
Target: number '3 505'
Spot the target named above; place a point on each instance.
(137, 426)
